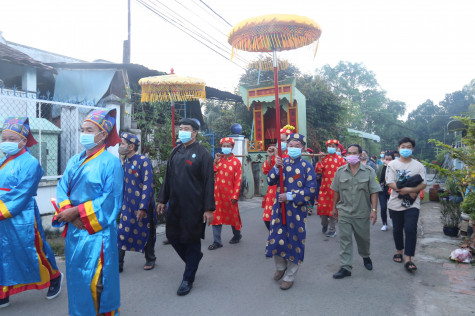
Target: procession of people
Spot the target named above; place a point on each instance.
(107, 207)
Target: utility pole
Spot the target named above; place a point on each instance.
(126, 49)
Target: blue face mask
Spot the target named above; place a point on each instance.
(382, 155)
(331, 150)
(184, 136)
(9, 148)
(294, 152)
(283, 145)
(405, 152)
(338, 153)
(87, 140)
(226, 150)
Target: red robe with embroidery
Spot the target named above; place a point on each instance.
(327, 168)
(227, 185)
(268, 200)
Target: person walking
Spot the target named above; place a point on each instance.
(355, 202)
(383, 196)
(227, 187)
(286, 241)
(405, 215)
(327, 168)
(90, 198)
(26, 259)
(137, 230)
(188, 187)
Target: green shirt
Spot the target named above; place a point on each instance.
(355, 190)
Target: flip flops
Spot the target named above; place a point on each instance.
(214, 246)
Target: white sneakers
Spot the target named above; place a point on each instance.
(384, 228)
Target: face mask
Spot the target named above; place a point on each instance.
(353, 159)
(294, 152)
(405, 152)
(283, 145)
(226, 151)
(9, 148)
(338, 153)
(382, 155)
(87, 140)
(331, 150)
(184, 136)
(124, 150)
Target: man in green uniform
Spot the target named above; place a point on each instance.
(355, 205)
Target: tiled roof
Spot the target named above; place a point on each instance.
(13, 56)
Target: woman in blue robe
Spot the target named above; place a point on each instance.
(90, 197)
(26, 259)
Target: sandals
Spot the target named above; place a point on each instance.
(397, 258)
(149, 265)
(214, 246)
(410, 266)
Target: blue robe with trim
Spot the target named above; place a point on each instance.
(288, 241)
(92, 261)
(19, 179)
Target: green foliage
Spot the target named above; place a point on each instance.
(459, 180)
(325, 111)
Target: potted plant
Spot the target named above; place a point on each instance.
(450, 214)
(468, 207)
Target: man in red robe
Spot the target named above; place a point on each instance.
(327, 168)
(227, 171)
(268, 200)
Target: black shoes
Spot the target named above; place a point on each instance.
(368, 264)
(55, 287)
(4, 302)
(235, 240)
(185, 288)
(341, 274)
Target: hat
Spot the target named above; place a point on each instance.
(20, 126)
(310, 150)
(341, 147)
(105, 120)
(190, 121)
(130, 137)
(287, 129)
(332, 141)
(298, 137)
(227, 140)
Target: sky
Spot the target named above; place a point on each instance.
(418, 50)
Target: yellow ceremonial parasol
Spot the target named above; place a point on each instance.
(172, 88)
(273, 33)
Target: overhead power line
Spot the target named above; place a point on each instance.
(183, 29)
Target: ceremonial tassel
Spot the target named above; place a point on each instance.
(316, 48)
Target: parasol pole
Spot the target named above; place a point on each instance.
(277, 127)
(173, 118)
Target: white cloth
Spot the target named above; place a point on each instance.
(282, 264)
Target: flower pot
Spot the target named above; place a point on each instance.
(451, 231)
(434, 193)
(465, 216)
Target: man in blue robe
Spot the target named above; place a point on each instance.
(90, 197)
(26, 259)
(286, 241)
(138, 218)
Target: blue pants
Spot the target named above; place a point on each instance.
(383, 197)
(190, 254)
(217, 233)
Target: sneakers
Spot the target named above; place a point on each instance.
(384, 228)
(342, 273)
(331, 234)
(4, 302)
(55, 287)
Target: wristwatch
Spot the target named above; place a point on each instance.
(374, 210)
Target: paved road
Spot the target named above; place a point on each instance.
(237, 280)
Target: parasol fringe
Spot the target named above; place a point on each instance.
(316, 48)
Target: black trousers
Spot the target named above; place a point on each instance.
(405, 223)
(383, 197)
(149, 248)
(191, 255)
